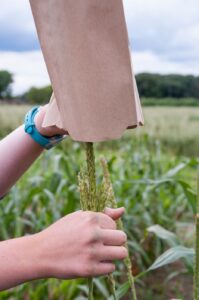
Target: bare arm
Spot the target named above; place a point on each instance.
(18, 151)
(62, 251)
(19, 261)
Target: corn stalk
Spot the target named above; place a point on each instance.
(111, 201)
(96, 199)
(196, 266)
(93, 199)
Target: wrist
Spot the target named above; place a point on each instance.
(45, 258)
(39, 263)
(46, 137)
(31, 257)
(33, 262)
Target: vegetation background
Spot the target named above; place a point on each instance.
(154, 89)
(153, 170)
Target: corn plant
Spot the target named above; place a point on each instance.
(154, 186)
(196, 267)
(95, 199)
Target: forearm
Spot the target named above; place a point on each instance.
(20, 261)
(17, 152)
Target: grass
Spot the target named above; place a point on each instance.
(170, 102)
(175, 127)
(11, 116)
(153, 170)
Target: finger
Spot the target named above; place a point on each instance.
(114, 213)
(113, 237)
(111, 253)
(104, 268)
(106, 222)
(44, 107)
(56, 130)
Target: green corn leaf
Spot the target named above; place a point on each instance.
(121, 291)
(190, 194)
(172, 255)
(101, 287)
(164, 234)
(83, 288)
(177, 169)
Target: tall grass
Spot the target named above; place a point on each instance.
(11, 116)
(170, 102)
(152, 186)
(155, 186)
(175, 127)
(196, 269)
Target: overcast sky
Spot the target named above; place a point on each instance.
(164, 37)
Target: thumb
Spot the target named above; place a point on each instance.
(114, 213)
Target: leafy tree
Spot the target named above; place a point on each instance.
(6, 78)
(149, 85)
(38, 95)
(168, 86)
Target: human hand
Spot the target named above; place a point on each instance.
(46, 131)
(82, 244)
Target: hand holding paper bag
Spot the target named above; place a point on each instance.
(85, 46)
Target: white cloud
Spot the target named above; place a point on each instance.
(168, 27)
(28, 68)
(146, 61)
(164, 36)
(186, 43)
(16, 14)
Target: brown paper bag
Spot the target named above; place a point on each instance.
(85, 46)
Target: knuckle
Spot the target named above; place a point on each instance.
(93, 218)
(91, 254)
(94, 235)
(88, 269)
(102, 217)
(110, 223)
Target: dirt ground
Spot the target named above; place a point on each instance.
(156, 286)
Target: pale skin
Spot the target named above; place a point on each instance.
(81, 244)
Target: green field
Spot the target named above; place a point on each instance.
(11, 116)
(153, 170)
(175, 127)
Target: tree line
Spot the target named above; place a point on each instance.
(150, 86)
(168, 86)
(33, 95)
